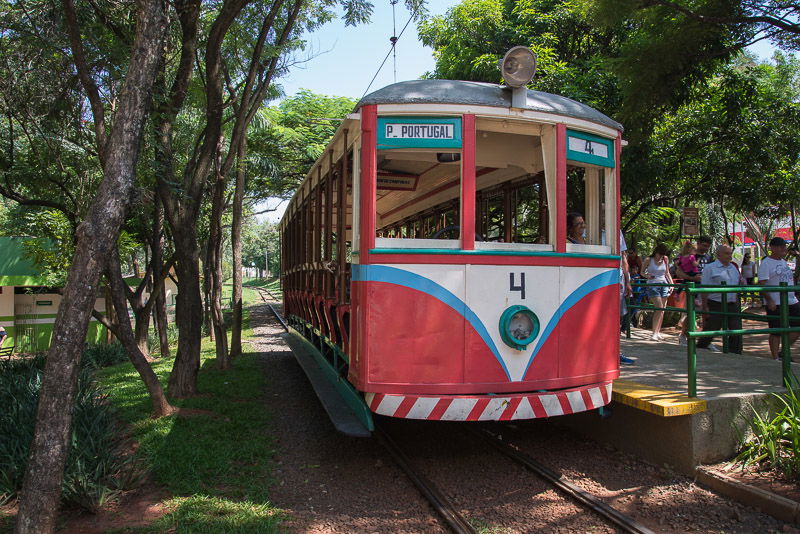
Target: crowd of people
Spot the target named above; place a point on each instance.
(659, 275)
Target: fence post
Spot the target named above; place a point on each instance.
(724, 302)
(691, 341)
(785, 348)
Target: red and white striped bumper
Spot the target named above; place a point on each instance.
(490, 407)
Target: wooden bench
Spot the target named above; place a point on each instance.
(7, 351)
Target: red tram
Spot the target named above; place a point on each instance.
(425, 259)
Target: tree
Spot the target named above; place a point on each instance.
(735, 142)
(118, 146)
(676, 44)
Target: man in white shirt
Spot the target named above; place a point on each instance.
(771, 272)
(714, 274)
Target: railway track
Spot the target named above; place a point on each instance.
(458, 524)
(445, 507)
(261, 292)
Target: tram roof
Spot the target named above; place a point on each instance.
(481, 94)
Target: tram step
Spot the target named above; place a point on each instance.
(332, 397)
(655, 400)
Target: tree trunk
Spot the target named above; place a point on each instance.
(214, 264)
(141, 317)
(188, 313)
(162, 324)
(112, 316)
(95, 238)
(207, 321)
(124, 333)
(236, 245)
(157, 249)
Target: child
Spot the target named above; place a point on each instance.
(688, 261)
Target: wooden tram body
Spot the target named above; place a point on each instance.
(425, 256)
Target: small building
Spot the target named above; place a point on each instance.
(28, 306)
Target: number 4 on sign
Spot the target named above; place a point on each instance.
(520, 287)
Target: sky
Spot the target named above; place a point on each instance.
(346, 58)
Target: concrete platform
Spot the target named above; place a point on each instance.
(732, 386)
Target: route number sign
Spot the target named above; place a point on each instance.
(588, 148)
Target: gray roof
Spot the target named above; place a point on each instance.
(481, 94)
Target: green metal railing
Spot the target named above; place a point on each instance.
(692, 334)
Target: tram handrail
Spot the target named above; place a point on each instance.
(692, 334)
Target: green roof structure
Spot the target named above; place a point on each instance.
(16, 269)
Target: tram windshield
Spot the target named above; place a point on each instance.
(586, 197)
(512, 203)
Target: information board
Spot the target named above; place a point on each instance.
(690, 221)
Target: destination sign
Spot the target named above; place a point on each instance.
(391, 181)
(419, 132)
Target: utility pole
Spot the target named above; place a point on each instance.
(266, 261)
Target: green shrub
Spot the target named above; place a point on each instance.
(99, 355)
(775, 443)
(153, 342)
(97, 465)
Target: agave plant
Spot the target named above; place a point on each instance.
(775, 443)
(98, 465)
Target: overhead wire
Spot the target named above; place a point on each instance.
(413, 14)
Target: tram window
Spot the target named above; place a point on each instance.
(492, 213)
(586, 195)
(512, 190)
(530, 213)
(417, 195)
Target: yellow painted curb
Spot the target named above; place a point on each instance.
(655, 400)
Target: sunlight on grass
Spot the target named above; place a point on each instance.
(203, 514)
(216, 459)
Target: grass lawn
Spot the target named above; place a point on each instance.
(216, 460)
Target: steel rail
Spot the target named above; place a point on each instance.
(261, 292)
(626, 523)
(443, 506)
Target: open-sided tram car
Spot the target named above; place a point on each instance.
(425, 256)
